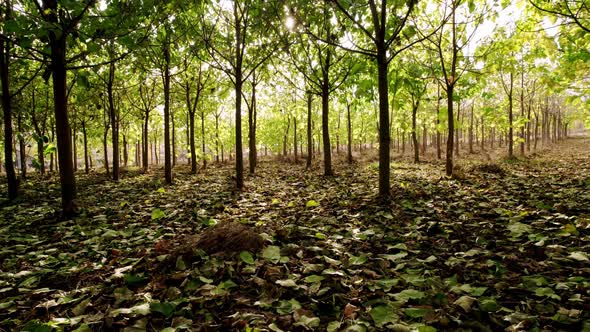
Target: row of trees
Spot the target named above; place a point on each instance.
(138, 75)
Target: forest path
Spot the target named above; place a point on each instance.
(504, 246)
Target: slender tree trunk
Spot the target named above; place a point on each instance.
(414, 135)
(384, 133)
(167, 157)
(22, 147)
(252, 154)
(285, 137)
(349, 127)
(145, 142)
(85, 138)
(125, 151)
(64, 143)
(326, 126)
(7, 108)
(106, 151)
(309, 136)
(217, 137)
(192, 144)
(437, 124)
(483, 137)
(424, 139)
(457, 129)
(52, 140)
(471, 129)
(114, 123)
(451, 131)
(510, 123)
(528, 127)
(203, 140)
(173, 139)
(295, 137)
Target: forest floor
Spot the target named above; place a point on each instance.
(503, 247)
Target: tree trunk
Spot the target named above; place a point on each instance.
(7, 108)
(114, 123)
(125, 151)
(471, 129)
(285, 136)
(384, 133)
(451, 130)
(326, 125)
(349, 130)
(295, 137)
(193, 147)
(145, 142)
(173, 139)
(85, 138)
(167, 161)
(457, 129)
(252, 154)
(106, 153)
(22, 147)
(64, 143)
(438, 138)
(217, 137)
(309, 138)
(203, 140)
(414, 135)
(510, 122)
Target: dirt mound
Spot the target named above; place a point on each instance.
(489, 168)
(228, 237)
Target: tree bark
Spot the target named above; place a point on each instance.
(325, 119)
(384, 134)
(349, 127)
(7, 108)
(85, 138)
(295, 137)
(203, 140)
(22, 147)
(114, 123)
(414, 135)
(309, 136)
(167, 161)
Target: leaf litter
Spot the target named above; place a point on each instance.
(503, 248)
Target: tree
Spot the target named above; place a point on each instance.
(324, 67)
(236, 44)
(381, 32)
(573, 11)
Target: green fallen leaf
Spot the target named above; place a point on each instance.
(311, 203)
(409, 294)
(383, 314)
(272, 253)
(246, 257)
(158, 214)
(165, 308)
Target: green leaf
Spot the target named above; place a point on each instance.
(488, 305)
(333, 326)
(309, 323)
(272, 253)
(158, 214)
(287, 307)
(314, 278)
(357, 260)
(246, 257)
(416, 312)
(311, 203)
(383, 314)
(409, 294)
(165, 308)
